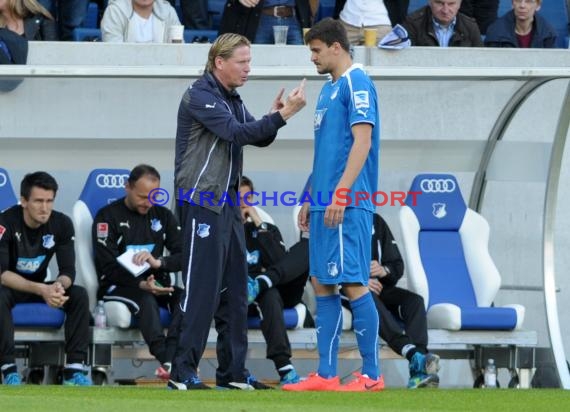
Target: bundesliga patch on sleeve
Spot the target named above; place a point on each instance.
(361, 100)
(2, 231)
(102, 230)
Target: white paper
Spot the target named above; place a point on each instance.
(126, 260)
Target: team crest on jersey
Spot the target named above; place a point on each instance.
(253, 257)
(361, 99)
(334, 94)
(333, 269)
(29, 265)
(48, 241)
(319, 114)
(2, 231)
(439, 210)
(155, 225)
(102, 230)
(203, 230)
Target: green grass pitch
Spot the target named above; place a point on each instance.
(128, 398)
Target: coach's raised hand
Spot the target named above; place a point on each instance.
(295, 101)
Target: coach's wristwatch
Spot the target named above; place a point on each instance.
(262, 226)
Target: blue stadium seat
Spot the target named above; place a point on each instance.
(294, 318)
(87, 34)
(200, 36)
(416, 5)
(91, 19)
(37, 315)
(326, 9)
(215, 11)
(448, 261)
(556, 13)
(7, 196)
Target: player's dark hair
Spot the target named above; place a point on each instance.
(143, 170)
(246, 181)
(329, 31)
(42, 180)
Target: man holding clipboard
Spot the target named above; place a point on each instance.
(129, 238)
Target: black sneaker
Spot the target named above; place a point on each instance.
(188, 385)
(257, 384)
(249, 385)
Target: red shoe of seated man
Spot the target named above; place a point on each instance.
(363, 383)
(314, 383)
(163, 371)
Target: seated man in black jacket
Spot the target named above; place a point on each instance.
(133, 223)
(277, 281)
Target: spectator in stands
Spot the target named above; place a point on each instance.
(255, 18)
(356, 16)
(28, 18)
(213, 127)
(522, 27)
(397, 9)
(13, 50)
(346, 114)
(277, 281)
(69, 14)
(134, 223)
(396, 306)
(138, 21)
(195, 14)
(30, 234)
(440, 24)
(483, 11)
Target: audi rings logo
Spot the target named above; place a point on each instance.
(111, 181)
(437, 185)
(3, 179)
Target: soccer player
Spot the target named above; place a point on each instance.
(30, 234)
(347, 138)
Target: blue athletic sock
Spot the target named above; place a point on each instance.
(365, 324)
(329, 328)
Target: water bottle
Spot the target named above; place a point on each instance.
(490, 374)
(100, 315)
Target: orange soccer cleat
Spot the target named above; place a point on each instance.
(363, 383)
(314, 382)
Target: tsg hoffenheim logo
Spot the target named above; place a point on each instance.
(253, 257)
(203, 230)
(48, 241)
(333, 270)
(439, 210)
(155, 225)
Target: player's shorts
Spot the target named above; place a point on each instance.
(341, 254)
